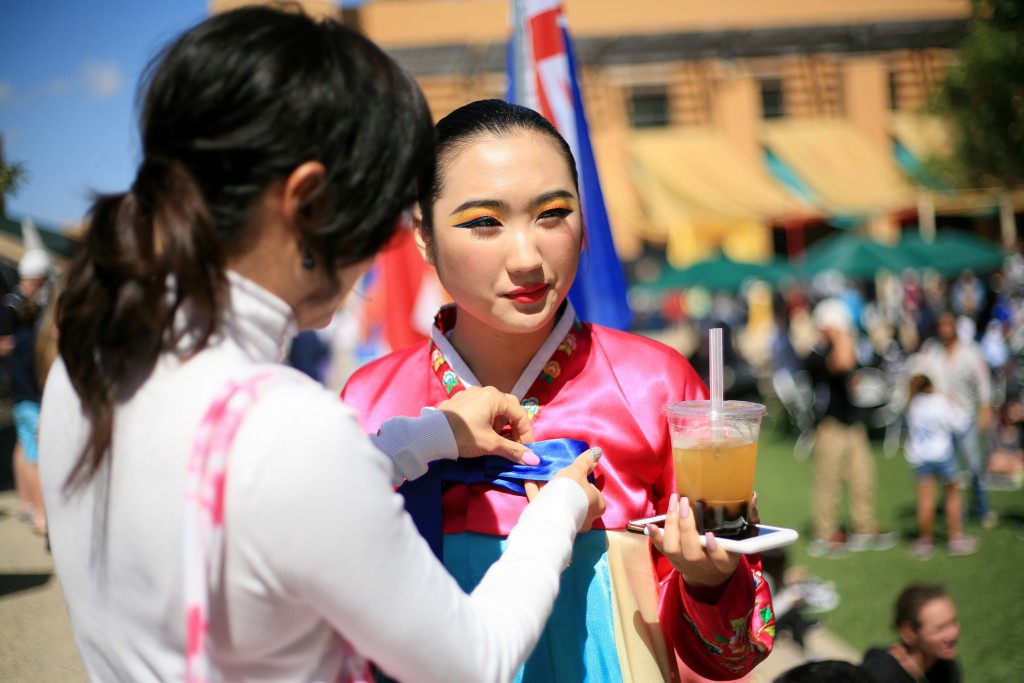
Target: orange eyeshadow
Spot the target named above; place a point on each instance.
(560, 203)
(472, 215)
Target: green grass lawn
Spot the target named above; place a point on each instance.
(987, 586)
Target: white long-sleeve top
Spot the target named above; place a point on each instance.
(317, 543)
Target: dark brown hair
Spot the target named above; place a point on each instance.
(918, 384)
(911, 600)
(232, 106)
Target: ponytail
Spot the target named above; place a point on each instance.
(147, 255)
(231, 107)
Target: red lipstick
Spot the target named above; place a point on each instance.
(528, 295)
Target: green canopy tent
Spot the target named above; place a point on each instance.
(721, 273)
(952, 251)
(857, 257)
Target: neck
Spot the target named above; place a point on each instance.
(497, 358)
(913, 661)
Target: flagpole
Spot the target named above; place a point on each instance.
(517, 83)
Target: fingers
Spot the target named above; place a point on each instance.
(518, 420)
(679, 539)
(685, 530)
(719, 557)
(508, 411)
(478, 416)
(579, 470)
(516, 452)
(587, 460)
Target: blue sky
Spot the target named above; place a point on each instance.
(68, 74)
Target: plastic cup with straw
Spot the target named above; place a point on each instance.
(714, 446)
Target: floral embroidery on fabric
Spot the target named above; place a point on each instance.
(449, 380)
(752, 635)
(532, 407)
(551, 371)
(436, 359)
(568, 344)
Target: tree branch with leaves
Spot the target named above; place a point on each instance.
(982, 97)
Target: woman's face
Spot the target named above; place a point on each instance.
(939, 629)
(507, 231)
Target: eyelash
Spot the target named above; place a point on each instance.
(558, 212)
(480, 222)
(492, 222)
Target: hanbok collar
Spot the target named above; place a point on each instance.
(439, 335)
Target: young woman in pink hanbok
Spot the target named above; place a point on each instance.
(504, 229)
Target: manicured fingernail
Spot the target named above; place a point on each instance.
(684, 507)
(596, 453)
(712, 544)
(650, 530)
(673, 502)
(530, 458)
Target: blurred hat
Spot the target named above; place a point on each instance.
(833, 313)
(34, 264)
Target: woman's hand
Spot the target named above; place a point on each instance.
(680, 543)
(478, 418)
(579, 471)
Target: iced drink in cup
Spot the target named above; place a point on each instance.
(715, 453)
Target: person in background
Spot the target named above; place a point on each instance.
(842, 452)
(19, 326)
(214, 515)
(926, 652)
(967, 295)
(934, 421)
(958, 368)
(503, 227)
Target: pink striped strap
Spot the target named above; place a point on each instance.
(204, 516)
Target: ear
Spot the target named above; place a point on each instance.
(423, 241)
(301, 188)
(908, 635)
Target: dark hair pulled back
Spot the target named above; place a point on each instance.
(232, 106)
(910, 601)
(478, 119)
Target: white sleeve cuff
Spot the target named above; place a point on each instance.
(414, 442)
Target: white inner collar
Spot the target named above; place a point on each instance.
(533, 368)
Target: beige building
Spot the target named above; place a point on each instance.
(741, 125)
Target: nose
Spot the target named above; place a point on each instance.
(523, 251)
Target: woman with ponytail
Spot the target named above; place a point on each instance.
(214, 515)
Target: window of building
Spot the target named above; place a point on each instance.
(771, 98)
(648, 108)
(893, 90)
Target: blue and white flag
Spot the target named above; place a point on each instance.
(542, 76)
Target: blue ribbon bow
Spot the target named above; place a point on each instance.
(423, 495)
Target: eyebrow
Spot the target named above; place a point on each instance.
(498, 204)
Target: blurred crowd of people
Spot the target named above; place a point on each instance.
(916, 340)
(841, 356)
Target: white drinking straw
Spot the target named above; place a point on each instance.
(715, 353)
